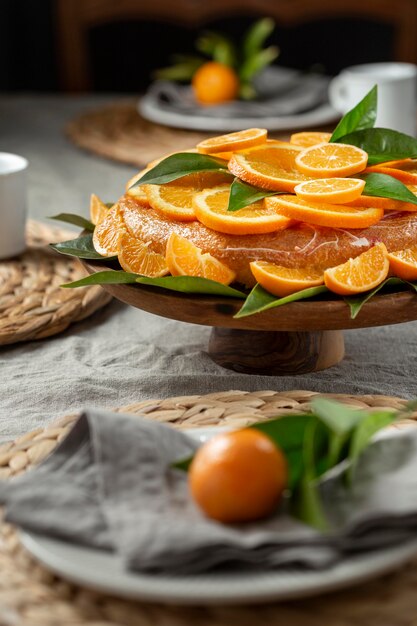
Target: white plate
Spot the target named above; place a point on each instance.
(103, 571)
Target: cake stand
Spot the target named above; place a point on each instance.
(297, 338)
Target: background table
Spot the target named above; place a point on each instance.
(122, 355)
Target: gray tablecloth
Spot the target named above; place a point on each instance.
(122, 354)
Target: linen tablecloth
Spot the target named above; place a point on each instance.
(121, 354)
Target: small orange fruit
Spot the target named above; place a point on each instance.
(272, 166)
(210, 207)
(331, 159)
(175, 199)
(137, 257)
(238, 476)
(183, 258)
(283, 281)
(214, 83)
(404, 263)
(333, 190)
(360, 274)
(324, 214)
(309, 138)
(108, 232)
(233, 141)
(98, 210)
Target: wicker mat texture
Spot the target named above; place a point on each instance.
(32, 303)
(32, 596)
(118, 132)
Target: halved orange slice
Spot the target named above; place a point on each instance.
(322, 214)
(233, 141)
(138, 192)
(98, 210)
(137, 257)
(283, 281)
(271, 166)
(404, 170)
(387, 204)
(108, 232)
(363, 273)
(331, 159)
(333, 190)
(210, 207)
(404, 263)
(183, 258)
(175, 199)
(309, 138)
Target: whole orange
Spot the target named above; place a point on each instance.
(214, 83)
(238, 476)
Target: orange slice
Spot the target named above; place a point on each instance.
(98, 210)
(331, 159)
(404, 170)
(333, 190)
(210, 207)
(310, 138)
(404, 263)
(175, 199)
(233, 141)
(322, 214)
(363, 273)
(271, 166)
(108, 232)
(183, 258)
(138, 192)
(283, 281)
(135, 256)
(387, 204)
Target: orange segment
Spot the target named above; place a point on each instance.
(108, 232)
(210, 207)
(98, 210)
(363, 273)
(135, 256)
(175, 199)
(404, 263)
(331, 159)
(387, 204)
(233, 141)
(310, 138)
(271, 166)
(404, 170)
(183, 258)
(138, 192)
(321, 214)
(333, 190)
(283, 281)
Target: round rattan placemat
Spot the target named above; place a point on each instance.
(118, 132)
(32, 596)
(32, 304)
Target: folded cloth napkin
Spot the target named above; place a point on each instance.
(281, 92)
(110, 485)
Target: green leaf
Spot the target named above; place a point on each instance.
(363, 115)
(385, 186)
(183, 70)
(183, 284)
(356, 302)
(247, 91)
(338, 418)
(257, 62)
(256, 36)
(72, 218)
(261, 300)
(363, 434)
(382, 144)
(217, 46)
(81, 247)
(181, 164)
(242, 194)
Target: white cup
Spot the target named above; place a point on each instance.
(397, 93)
(13, 204)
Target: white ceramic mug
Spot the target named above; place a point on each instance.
(13, 204)
(397, 93)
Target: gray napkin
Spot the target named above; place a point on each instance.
(110, 485)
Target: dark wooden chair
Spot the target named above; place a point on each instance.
(75, 18)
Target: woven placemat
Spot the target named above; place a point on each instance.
(32, 596)
(32, 303)
(118, 132)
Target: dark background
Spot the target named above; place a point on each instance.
(124, 54)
